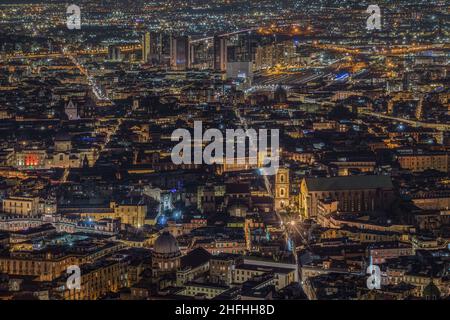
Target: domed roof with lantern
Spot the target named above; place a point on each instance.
(166, 246)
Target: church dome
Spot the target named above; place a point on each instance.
(166, 245)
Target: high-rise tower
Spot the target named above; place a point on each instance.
(220, 53)
(146, 47)
(179, 53)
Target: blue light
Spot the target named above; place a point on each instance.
(342, 76)
(88, 139)
(162, 220)
(177, 214)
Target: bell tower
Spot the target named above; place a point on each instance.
(282, 189)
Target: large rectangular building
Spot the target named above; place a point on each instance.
(419, 162)
(353, 193)
(179, 53)
(21, 205)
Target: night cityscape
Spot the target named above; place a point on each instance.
(224, 150)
